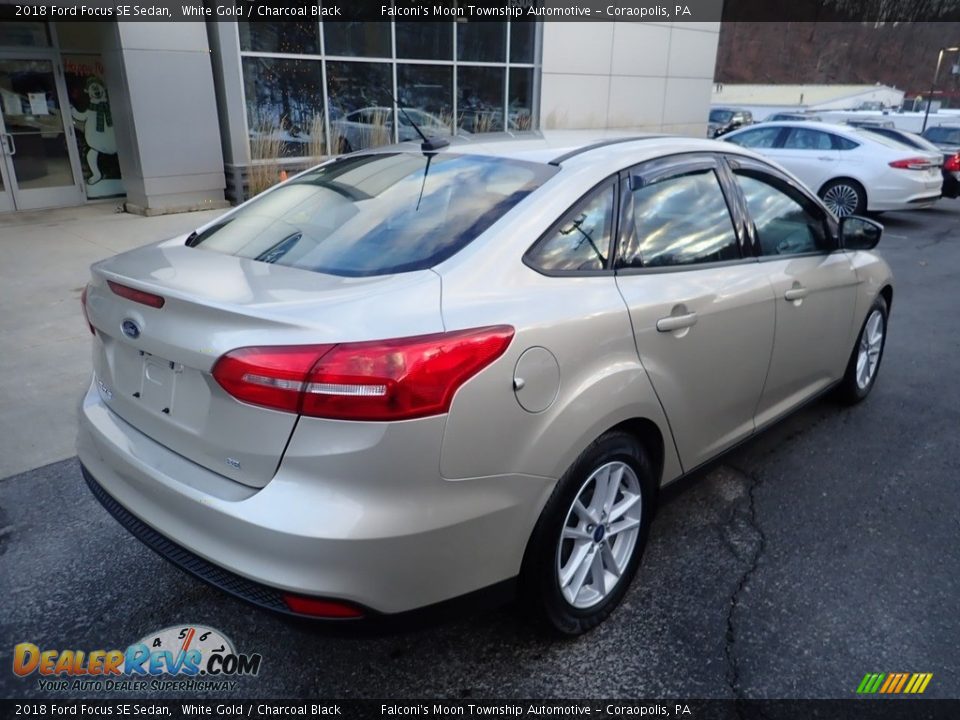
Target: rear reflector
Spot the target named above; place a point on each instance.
(314, 607)
(914, 164)
(952, 163)
(137, 296)
(86, 314)
(381, 380)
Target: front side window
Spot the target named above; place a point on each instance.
(804, 139)
(582, 240)
(786, 222)
(376, 214)
(680, 220)
(721, 116)
(759, 138)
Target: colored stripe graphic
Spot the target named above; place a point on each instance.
(903, 681)
(894, 683)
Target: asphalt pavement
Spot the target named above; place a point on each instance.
(824, 549)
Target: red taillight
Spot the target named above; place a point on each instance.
(137, 296)
(273, 377)
(380, 380)
(916, 163)
(321, 608)
(86, 313)
(952, 163)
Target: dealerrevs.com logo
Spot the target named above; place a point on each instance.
(177, 658)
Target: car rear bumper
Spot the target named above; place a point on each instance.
(910, 191)
(417, 540)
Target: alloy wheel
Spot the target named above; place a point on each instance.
(871, 343)
(842, 200)
(599, 535)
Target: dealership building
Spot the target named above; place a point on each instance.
(175, 116)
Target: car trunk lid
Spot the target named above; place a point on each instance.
(153, 364)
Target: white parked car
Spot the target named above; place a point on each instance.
(851, 169)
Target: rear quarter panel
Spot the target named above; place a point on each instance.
(584, 324)
(581, 320)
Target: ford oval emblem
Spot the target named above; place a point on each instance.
(130, 329)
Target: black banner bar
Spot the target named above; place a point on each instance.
(854, 709)
(873, 11)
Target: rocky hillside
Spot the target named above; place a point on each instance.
(901, 54)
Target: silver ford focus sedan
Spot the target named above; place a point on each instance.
(420, 372)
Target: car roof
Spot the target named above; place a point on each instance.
(807, 125)
(575, 147)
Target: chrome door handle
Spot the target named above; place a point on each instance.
(827, 158)
(795, 293)
(676, 322)
(9, 145)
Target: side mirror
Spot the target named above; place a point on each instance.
(859, 233)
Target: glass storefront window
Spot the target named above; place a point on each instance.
(357, 39)
(290, 38)
(28, 34)
(425, 40)
(480, 99)
(80, 37)
(520, 104)
(93, 120)
(284, 107)
(522, 33)
(365, 65)
(361, 109)
(482, 41)
(426, 92)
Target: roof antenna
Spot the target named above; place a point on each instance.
(429, 145)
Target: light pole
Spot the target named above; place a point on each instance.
(936, 74)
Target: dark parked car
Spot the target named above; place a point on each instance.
(947, 139)
(724, 120)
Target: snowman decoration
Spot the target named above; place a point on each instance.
(97, 127)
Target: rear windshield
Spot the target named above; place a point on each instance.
(943, 135)
(880, 138)
(720, 115)
(904, 138)
(376, 214)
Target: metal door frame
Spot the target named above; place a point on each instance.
(39, 198)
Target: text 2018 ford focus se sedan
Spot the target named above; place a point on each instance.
(410, 374)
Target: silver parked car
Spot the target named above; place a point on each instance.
(404, 376)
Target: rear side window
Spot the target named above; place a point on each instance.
(804, 139)
(842, 143)
(680, 220)
(786, 222)
(759, 138)
(376, 214)
(582, 240)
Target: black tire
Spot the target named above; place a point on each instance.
(851, 390)
(838, 195)
(540, 590)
